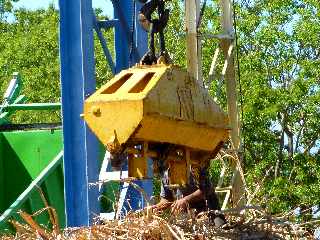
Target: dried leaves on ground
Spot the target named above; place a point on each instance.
(245, 223)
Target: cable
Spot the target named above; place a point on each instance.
(239, 77)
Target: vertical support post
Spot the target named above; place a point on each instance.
(141, 44)
(141, 36)
(123, 12)
(227, 17)
(194, 61)
(231, 90)
(77, 82)
(226, 44)
(123, 58)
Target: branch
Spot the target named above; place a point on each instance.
(311, 144)
(299, 134)
(290, 140)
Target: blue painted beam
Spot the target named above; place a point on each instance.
(123, 34)
(129, 36)
(108, 23)
(141, 36)
(134, 197)
(78, 82)
(104, 45)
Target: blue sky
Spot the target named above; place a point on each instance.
(105, 5)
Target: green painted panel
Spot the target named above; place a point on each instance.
(53, 189)
(36, 203)
(2, 204)
(35, 149)
(16, 178)
(30, 200)
(23, 155)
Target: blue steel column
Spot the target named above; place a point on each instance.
(141, 43)
(77, 82)
(141, 36)
(138, 48)
(123, 12)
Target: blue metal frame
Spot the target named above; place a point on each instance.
(123, 10)
(77, 82)
(105, 24)
(126, 56)
(140, 35)
(77, 22)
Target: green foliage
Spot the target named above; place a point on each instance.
(6, 7)
(278, 44)
(29, 45)
(279, 65)
(174, 34)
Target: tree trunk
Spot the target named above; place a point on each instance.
(280, 155)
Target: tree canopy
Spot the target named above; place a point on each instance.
(280, 78)
(29, 44)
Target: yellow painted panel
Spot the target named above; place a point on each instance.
(178, 174)
(138, 167)
(162, 129)
(120, 117)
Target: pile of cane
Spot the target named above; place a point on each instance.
(245, 223)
